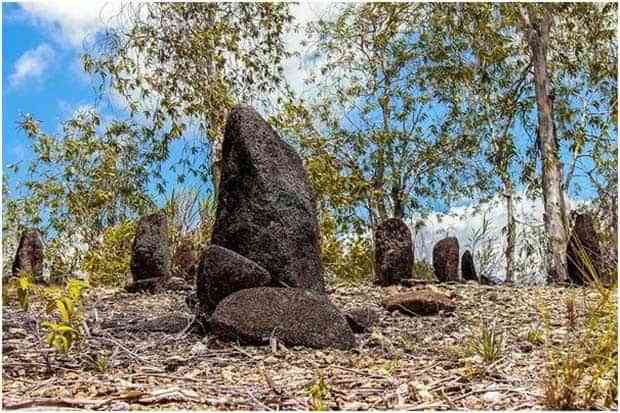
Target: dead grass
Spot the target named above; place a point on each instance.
(135, 357)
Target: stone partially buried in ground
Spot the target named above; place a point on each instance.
(393, 252)
(29, 255)
(468, 271)
(222, 272)
(294, 316)
(583, 253)
(419, 302)
(150, 257)
(446, 259)
(266, 207)
(361, 320)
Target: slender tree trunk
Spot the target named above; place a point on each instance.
(537, 31)
(510, 231)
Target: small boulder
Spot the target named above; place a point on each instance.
(294, 316)
(468, 271)
(150, 257)
(584, 241)
(419, 302)
(446, 259)
(361, 320)
(266, 208)
(393, 252)
(29, 255)
(222, 272)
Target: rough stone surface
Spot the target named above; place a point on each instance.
(583, 240)
(361, 320)
(294, 316)
(266, 208)
(446, 259)
(419, 302)
(150, 257)
(468, 270)
(29, 255)
(222, 272)
(393, 252)
(185, 260)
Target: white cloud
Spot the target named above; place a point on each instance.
(72, 22)
(32, 65)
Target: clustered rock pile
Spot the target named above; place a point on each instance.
(393, 252)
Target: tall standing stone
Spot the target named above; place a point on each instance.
(468, 270)
(446, 259)
(584, 241)
(29, 255)
(150, 257)
(266, 208)
(393, 252)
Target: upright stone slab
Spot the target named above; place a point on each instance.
(584, 240)
(266, 208)
(468, 270)
(446, 259)
(393, 252)
(29, 255)
(150, 257)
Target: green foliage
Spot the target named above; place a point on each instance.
(423, 270)
(24, 288)
(488, 343)
(318, 392)
(535, 336)
(346, 260)
(107, 263)
(67, 308)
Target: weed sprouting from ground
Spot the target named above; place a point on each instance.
(487, 342)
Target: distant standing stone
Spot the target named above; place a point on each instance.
(393, 252)
(584, 241)
(150, 257)
(29, 255)
(468, 271)
(222, 272)
(446, 259)
(266, 208)
(294, 316)
(185, 260)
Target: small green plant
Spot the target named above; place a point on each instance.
(571, 311)
(101, 363)
(488, 343)
(422, 270)
(318, 393)
(24, 287)
(535, 336)
(68, 311)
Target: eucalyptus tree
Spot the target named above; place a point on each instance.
(375, 130)
(180, 67)
(566, 55)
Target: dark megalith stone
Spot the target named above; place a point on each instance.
(29, 255)
(419, 302)
(150, 256)
(361, 320)
(446, 259)
(294, 316)
(222, 272)
(266, 208)
(583, 253)
(468, 271)
(185, 260)
(393, 252)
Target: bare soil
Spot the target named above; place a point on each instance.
(408, 363)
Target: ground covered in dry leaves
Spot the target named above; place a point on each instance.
(146, 361)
